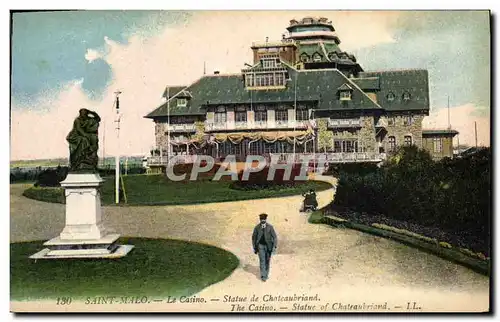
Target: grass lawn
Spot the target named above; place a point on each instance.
(154, 268)
(158, 190)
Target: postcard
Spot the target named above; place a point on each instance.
(250, 161)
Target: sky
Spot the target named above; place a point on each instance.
(64, 61)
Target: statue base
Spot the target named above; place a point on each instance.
(84, 235)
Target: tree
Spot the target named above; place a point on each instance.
(325, 137)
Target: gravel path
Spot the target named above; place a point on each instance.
(339, 265)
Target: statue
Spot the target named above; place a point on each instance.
(83, 141)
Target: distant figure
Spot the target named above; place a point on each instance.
(310, 201)
(84, 141)
(264, 242)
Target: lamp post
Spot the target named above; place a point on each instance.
(117, 157)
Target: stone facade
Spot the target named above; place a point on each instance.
(367, 134)
(161, 134)
(400, 126)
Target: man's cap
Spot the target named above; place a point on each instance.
(263, 216)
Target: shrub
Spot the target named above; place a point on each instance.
(453, 195)
(187, 168)
(52, 177)
(258, 180)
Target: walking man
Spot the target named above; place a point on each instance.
(264, 241)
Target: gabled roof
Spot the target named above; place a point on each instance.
(173, 90)
(345, 87)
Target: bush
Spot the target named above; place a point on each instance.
(453, 195)
(187, 168)
(258, 180)
(359, 168)
(47, 194)
(52, 177)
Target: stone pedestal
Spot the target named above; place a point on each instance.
(84, 235)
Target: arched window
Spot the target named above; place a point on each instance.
(408, 140)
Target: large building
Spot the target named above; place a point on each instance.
(302, 94)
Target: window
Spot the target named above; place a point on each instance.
(337, 146)
(391, 121)
(279, 79)
(181, 102)
(281, 116)
(406, 96)
(408, 140)
(392, 143)
(304, 58)
(220, 115)
(408, 120)
(269, 63)
(349, 146)
(302, 115)
(391, 97)
(260, 116)
(345, 95)
(317, 57)
(241, 116)
(249, 80)
(437, 145)
(268, 79)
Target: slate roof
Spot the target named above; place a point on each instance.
(368, 83)
(413, 81)
(315, 85)
(173, 90)
(312, 85)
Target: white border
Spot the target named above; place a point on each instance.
(190, 5)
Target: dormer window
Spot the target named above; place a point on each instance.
(391, 97)
(304, 58)
(406, 96)
(345, 95)
(345, 92)
(332, 56)
(317, 57)
(181, 102)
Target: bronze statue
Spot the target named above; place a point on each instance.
(84, 141)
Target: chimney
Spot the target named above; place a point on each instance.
(216, 72)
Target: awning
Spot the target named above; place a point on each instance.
(269, 137)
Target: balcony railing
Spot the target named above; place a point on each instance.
(343, 157)
(344, 122)
(260, 125)
(216, 126)
(330, 157)
(174, 159)
(241, 125)
(181, 128)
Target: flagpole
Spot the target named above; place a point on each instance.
(117, 157)
(168, 122)
(295, 115)
(449, 124)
